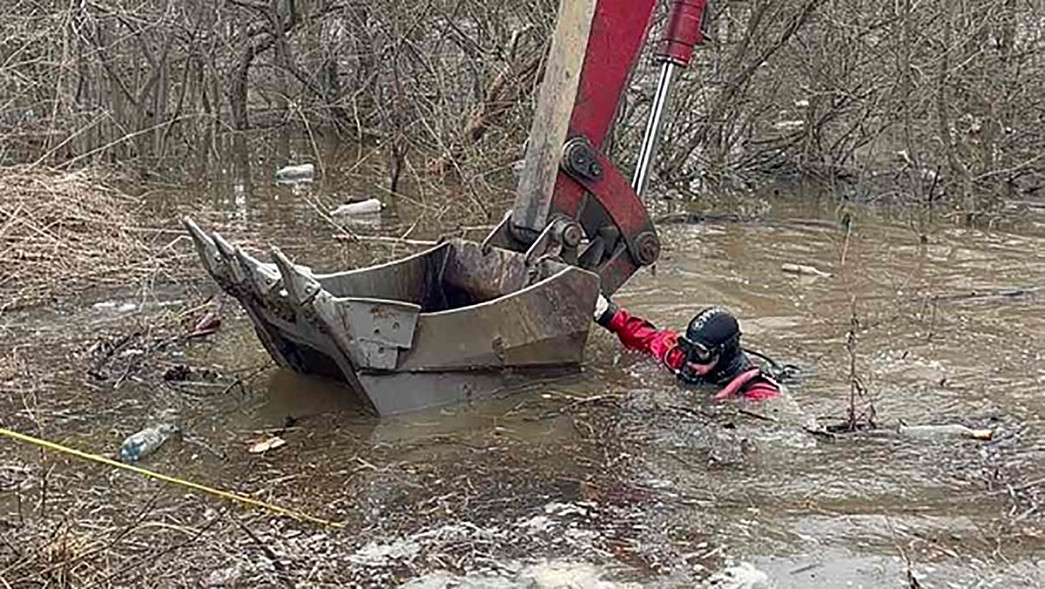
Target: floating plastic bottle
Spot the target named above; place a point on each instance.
(362, 207)
(146, 442)
(298, 173)
(803, 269)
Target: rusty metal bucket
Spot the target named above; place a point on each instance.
(453, 322)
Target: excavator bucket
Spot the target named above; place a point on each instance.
(460, 319)
(437, 327)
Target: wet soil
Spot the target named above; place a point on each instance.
(614, 475)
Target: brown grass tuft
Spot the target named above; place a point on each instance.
(65, 232)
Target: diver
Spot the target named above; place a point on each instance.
(709, 353)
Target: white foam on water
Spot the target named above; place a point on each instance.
(541, 575)
(740, 576)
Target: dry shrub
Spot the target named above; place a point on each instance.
(64, 232)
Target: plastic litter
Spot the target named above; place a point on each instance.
(146, 442)
(363, 207)
(298, 173)
(258, 446)
(115, 307)
(803, 269)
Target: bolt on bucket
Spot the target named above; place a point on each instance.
(451, 323)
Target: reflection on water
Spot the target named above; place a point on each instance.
(617, 465)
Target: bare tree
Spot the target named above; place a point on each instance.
(931, 103)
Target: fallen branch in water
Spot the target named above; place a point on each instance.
(943, 431)
(1013, 488)
(384, 239)
(1008, 293)
(918, 432)
(1013, 292)
(760, 416)
(700, 218)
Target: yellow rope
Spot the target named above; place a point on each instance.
(168, 479)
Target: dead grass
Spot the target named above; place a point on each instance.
(65, 232)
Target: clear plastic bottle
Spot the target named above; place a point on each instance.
(146, 442)
(298, 173)
(949, 430)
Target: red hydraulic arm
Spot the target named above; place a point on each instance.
(570, 195)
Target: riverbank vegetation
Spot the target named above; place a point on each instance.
(65, 231)
(923, 103)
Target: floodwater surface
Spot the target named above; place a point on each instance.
(611, 477)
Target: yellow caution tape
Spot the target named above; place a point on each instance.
(169, 479)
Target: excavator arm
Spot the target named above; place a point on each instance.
(572, 202)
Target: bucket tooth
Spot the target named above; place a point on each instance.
(205, 248)
(261, 275)
(265, 276)
(228, 254)
(299, 284)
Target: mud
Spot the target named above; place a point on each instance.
(614, 477)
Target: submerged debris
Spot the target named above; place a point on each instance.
(376, 554)
(114, 307)
(226, 577)
(209, 323)
(146, 442)
(916, 432)
(177, 373)
(12, 475)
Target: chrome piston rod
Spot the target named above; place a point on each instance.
(653, 125)
(683, 31)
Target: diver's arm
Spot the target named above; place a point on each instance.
(639, 334)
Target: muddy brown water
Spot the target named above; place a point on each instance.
(613, 475)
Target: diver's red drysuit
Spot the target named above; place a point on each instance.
(638, 334)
